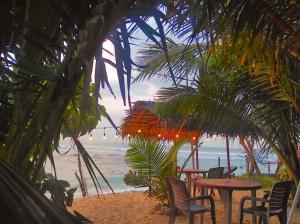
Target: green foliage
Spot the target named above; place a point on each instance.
(151, 163)
(60, 191)
(283, 174)
(267, 182)
(83, 112)
(237, 92)
(134, 179)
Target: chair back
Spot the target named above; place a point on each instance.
(232, 169)
(215, 173)
(178, 194)
(280, 195)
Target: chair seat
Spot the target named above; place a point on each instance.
(258, 210)
(196, 208)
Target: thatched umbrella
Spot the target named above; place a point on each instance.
(142, 120)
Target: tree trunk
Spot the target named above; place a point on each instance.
(248, 145)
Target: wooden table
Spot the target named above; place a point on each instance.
(188, 172)
(228, 186)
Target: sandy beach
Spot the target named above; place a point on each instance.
(135, 207)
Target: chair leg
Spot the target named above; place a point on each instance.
(265, 219)
(172, 216)
(213, 216)
(282, 217)
(241, 216)
(192, 217)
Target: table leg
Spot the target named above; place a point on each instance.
(202, 203)
(228, 206)
(189, 182)
(253, 204)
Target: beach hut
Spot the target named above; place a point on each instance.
(142, 120)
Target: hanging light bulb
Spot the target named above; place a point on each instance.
(194, 138)
(159, 135)
(104, 135)
(116, 135)
(177, 135)
(139, 131)
(128, 135)
(91, 136)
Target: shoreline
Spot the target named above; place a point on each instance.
(94, 193)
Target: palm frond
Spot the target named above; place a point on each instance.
(152, 163)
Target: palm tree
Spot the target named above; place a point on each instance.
(46, 65)
(47, 53)
(152, 163)
(48, 47)
(51, 51)
(234, 99)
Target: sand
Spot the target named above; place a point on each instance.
(135, 207)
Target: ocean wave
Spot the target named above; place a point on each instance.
(214, 153)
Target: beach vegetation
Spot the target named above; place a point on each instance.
(47, 55)
(48, 49)
(242, 99)
(266, 181)
(152, 162)
(61, 193)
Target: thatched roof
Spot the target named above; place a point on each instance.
(143, 120)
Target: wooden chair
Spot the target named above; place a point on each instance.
(215, 173)
(232, 169)
(277, 201)
(180, 201)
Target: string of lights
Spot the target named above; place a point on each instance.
(104, 133)
(104, 128)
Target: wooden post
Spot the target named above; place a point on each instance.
(247, 164)
(197, 155)
(269, 167)
(219, 161)
(228, 157)
(193, 156)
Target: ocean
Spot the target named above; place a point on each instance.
(109, 157)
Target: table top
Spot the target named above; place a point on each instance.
(190, 170)
(232, 184)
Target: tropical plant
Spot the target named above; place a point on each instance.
(234, 98)
(22, 203)
(47, 51)
(151, 163)
(60, 191)
(266, 182)
(46, 66)
(48, 48)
